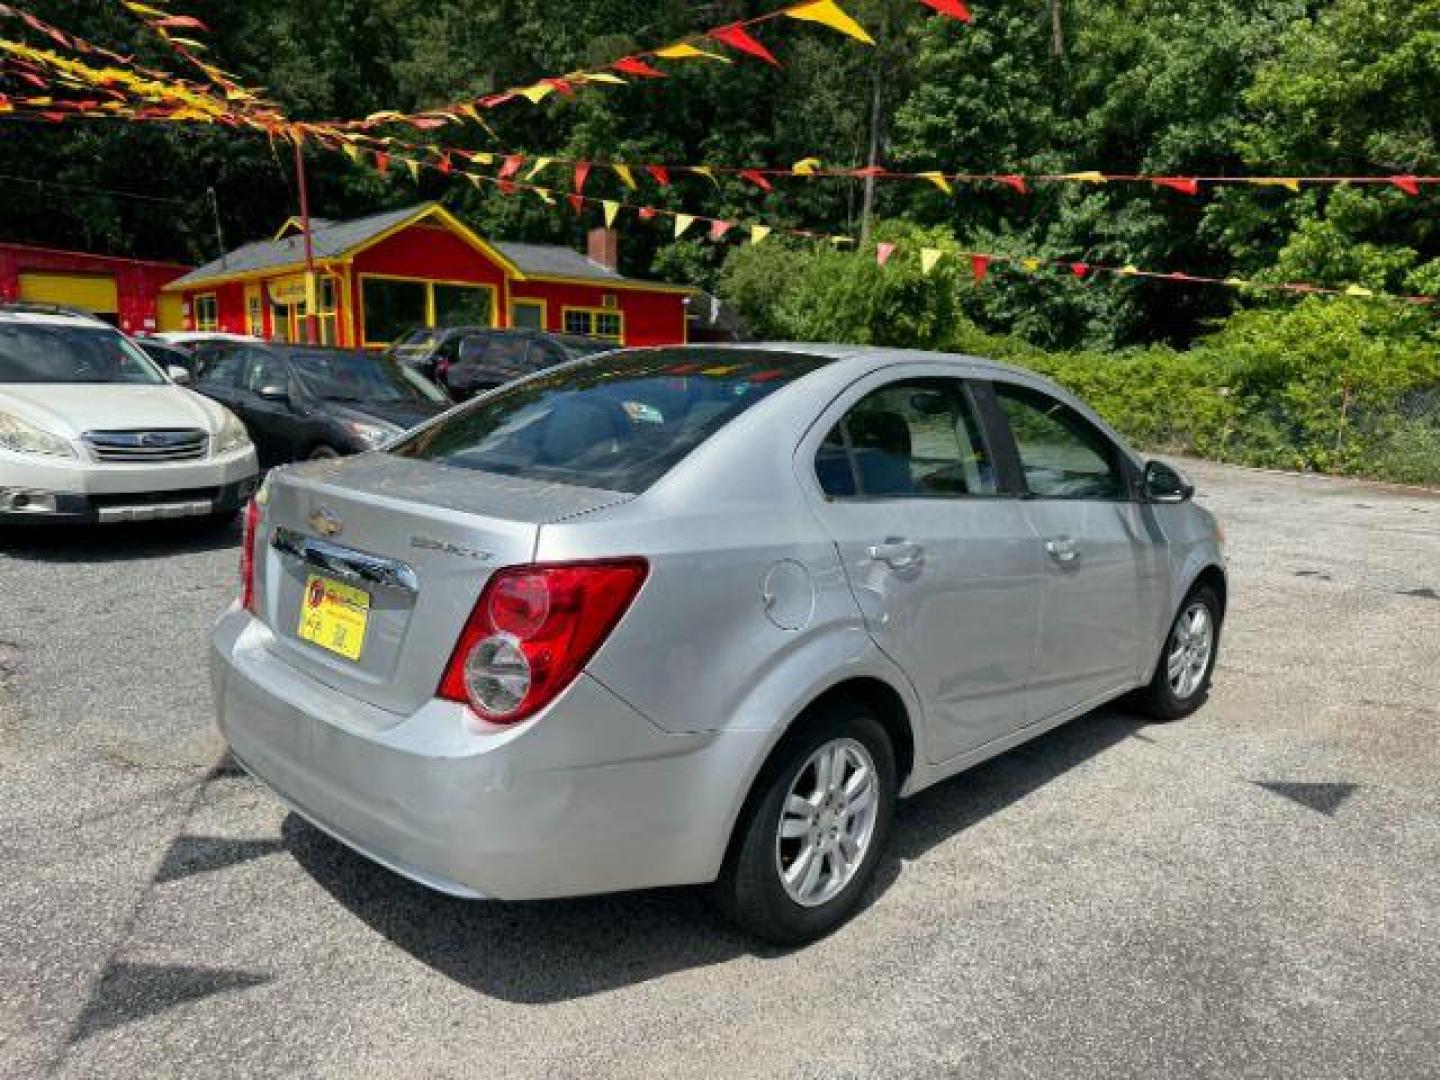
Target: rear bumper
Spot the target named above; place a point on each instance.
(588, 797)
(87, 493)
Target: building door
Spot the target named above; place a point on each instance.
(170, 312)
(90, 292)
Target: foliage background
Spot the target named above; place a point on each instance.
(1281, 87)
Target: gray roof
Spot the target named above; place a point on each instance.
(333, 239)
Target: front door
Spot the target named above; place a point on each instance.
(942, 560)
(1098, 556)
(276, 427)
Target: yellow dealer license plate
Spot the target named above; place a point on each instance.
(334, 616)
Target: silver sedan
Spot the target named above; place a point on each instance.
(702, 615)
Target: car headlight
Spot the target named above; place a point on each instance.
(25, 438)
(371, 435)
(232, 435)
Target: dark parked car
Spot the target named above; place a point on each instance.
(172, 359)
(468, 360)
(301, 402)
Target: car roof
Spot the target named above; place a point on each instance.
(49, 318)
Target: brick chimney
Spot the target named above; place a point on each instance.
(603, 247)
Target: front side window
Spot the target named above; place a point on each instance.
(54, 353)
(218, 368)
(617, 423)
(1062, 455)
(264, 370)
(350, 375)
(914, 439)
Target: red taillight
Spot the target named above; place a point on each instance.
(532, 631)
(247, 557)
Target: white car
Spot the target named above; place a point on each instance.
(91, 430)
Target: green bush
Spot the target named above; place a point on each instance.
(1347, 386)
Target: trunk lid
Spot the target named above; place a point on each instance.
(419, 540)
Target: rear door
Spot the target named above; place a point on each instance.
(1101, 563)
(940, 555)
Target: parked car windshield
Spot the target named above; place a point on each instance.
(414, 345)
(339, 375)
(617, 423)
(55, 353)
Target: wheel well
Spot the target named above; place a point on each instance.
(1214, 577)
(887, 705)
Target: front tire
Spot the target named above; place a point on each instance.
(1181, 683)
(813, 830)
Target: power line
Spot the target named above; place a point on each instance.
(110, 192)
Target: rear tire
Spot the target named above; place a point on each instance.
(322, 453)
(843, 765)
(1181, 683)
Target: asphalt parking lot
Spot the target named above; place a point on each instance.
(1251, 892)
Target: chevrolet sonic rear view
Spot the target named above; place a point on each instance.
(702, 615)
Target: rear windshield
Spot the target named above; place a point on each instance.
(360, 376)
(46, 353)
(618, 423)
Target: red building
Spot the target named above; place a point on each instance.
(125, 292)
(379, 276)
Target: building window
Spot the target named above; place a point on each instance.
(207, 312)
(464, 305)
(392, 308)
(596, 323)
(254, 313)
(527, 314)
(325, 320)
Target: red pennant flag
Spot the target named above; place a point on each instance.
(490, 101)
(425, 123)
(1183, 184)
(759, 179)
(1408, 184)
(953, 8)
(181, 22)
(444, 164)
(737, 37)
(979, 267)
(1016, 182)
(382, 162)
(883, 253)
(577, 203)
(660, 173)
(511, 166)
(563, 86)
(1080, 269)
(507, 187)
(582, 173)
(719, 228)
(632, 65)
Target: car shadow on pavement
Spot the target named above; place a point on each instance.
(539, 952)
(115, 543)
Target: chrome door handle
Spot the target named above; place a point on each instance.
(898, 554)
(1062, 549)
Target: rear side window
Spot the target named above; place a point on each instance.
(617, 423)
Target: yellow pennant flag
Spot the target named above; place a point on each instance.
(683, 222)
(1358, 290)
(612, 210)
(626, 176)
(1235, 282)
(828, 13)
(759, 232)
(1089, 177)
(1130, 271)
(1286, 182)
(806, 167)
(841, 241)
(705, 171)
(472, 112)
(541, 164)
(938, 179)
(414, 167)
(483, 159)
(1030, 264)
(474, 181)
(353, 152)
(538, 92)
(685, 51)
(545, 196)
(928, 258)
(599, 77)
(146, 9)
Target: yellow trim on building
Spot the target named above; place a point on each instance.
(429, 284)
(614, 312)
(543, 305)
(213, 322)
(608, 283)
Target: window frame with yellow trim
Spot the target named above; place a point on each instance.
(531, 302)
(204, 325)
(593, 314)
(428, 320)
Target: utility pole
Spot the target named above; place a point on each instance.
(311, 286)
(877, 122)
(1057, 29)
(219, 235)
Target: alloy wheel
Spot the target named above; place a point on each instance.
(828, 822)
(1188, 658)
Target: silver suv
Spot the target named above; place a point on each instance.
(700, 615)
(92, 430)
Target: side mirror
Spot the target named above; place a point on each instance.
(179, 376)
(276, 393)
(1166, 485)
